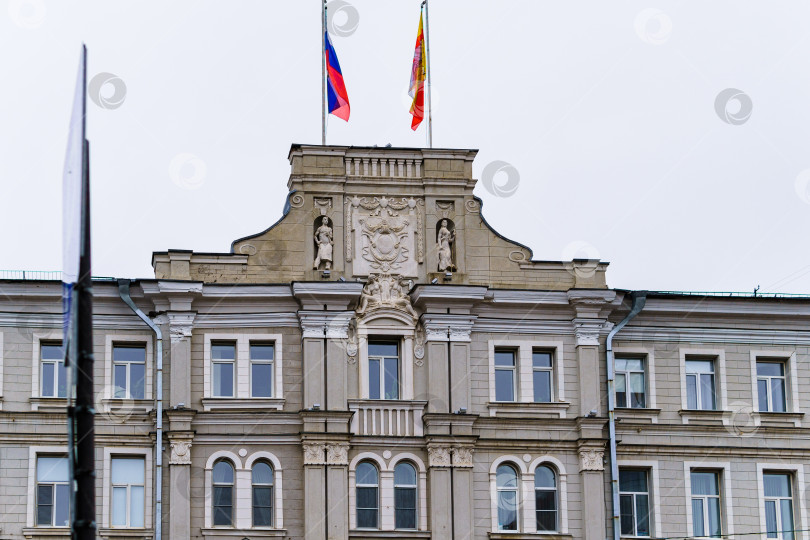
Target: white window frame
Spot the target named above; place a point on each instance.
(720, 387)
(386, 495)
(652, 491)
(106, 498)
(127, 339)
(791, 383)
(272, 363)
(514, 369)
(36, 384)
(726, 500)
(33, 453)
(550, 370)
(243, 490)
(524, 375)
(382, 367)
(242, 372)
(231, 362)
(648, 356)
(393, 325)
(799, 503)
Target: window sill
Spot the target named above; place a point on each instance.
(46, 532)
(233, 532)
(702, 417)
(213, 404)
(110, 532)
(48, 404)
(371, 534)
(555, 409)
(513, 535)
(780, 419)
(637, 415)
(129, 406)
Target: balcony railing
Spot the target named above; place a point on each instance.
(387, 417)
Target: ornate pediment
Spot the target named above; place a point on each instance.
(385, 292)
(384, 235)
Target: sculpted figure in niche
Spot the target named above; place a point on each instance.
(444, 240)
(324, 241)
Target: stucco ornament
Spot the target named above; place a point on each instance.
(324, 241)
(313, 453)
(592, 460)
(462, 456)
(444, 243)
(385, 291)
(438, 456)
(181, 453)
(337, 454)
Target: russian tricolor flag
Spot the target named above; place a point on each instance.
(336, 94)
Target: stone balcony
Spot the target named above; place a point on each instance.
(391, 418)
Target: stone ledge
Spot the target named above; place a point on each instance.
(372, 534)
(45, 532)
(555, 409)
(109, 532)
(637, 415)
(504, 535)
(214, 404)
(235, 532)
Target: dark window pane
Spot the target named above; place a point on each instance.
(786, 510)
(61, 380)
(770, 369)
(366, 497)
(691, 392)
(44, 504)
(261, 351)
(545, 499)
(544, 477)
(504, 358)
(404, 475)
(507, 510)
(707, 392)
(542, 386)
(697, 518)
(506, 477)
(129, 354)
(633, 480)
(223, 351)
(366, 474)
(120, 381)
(405, 508)
(699, 366)
(47, 380)
(391, 378)
(262, 506)
(504, 385)
(223, 505)
(642, 516)
(137, 379)
(52, 352)
(61, 506)
(762, 392)
(705, 483)
(777, 485)
(541, 359)
(262, 517)
(621, 390)
(770, 519)
(262, 473)
(223, 473)
(373, 379)
(714, 517)
(627, 516)
(778, 395)
(546, 520)
(367, 519)
(376, 348)
(637, 390)
(223, 380)
(261, 380)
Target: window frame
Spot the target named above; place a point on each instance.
(56, 362)
(128, 387)
(516, 490)
(271, 363)
(234, 373)
(358, 486)
(414, 487)
(111, 452)
(768, 385)
(272, 487)
(792, 395)
(633, 495)
(232, 485)
(382, 361)
(128, 487)
(698, 375)
(513, 370)
(626, 373)
(796, 472)
(720, 388)
(725, 491)
(550, 370)
(524, 374)
(53, 484)
(555, 490)
(780, 527)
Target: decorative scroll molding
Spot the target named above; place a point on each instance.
(323, 204)
(446, 209)
(587, 331)
(180, 325)
(329, 324)
(337, 454)
(438, 456)
(296, 201)
(443, 327)
(181, 452)
(314, 453)
(462, 456)
(591, 460)
(472, 206)
(320, 453)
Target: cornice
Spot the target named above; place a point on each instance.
(329, 324)
(447, 327)
(447, 295)
(242, 320)
(338, 295)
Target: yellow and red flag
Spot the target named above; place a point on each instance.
(417, 89)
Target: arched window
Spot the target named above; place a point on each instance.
(404, 496)
(545, 496)
(506, 481)
(262, 481)
(223, 493)
(367, 496)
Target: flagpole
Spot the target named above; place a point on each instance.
(429, 78)
(323, 72)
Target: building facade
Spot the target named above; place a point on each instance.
(380, 363)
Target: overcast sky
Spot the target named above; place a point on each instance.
(608, 112)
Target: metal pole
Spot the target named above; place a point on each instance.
(323, 72)
(429, 78)
(85, 474)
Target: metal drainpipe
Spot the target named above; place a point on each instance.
(123, 292)
(639, 299)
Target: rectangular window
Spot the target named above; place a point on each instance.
(778, 505)
(630, 383)
(383, 370)
(261, 370)
(706, 516)
(223, 365)
(129, 371)
(54, 376)
(542, 371)
(127, 481)
(53, 492)
(700, 389)
(771, 386)
(634, 502)
(505, 375)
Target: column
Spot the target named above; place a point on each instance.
(440, 491)
(180, 485)
(180, 325)
(463, 489)
(591, 471)
(337, 474)
(314, 490)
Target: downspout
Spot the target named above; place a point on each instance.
(123, 292)
(639, 299)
